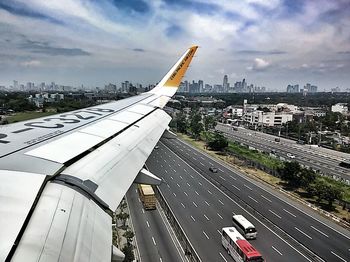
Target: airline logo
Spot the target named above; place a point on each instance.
(176, 77)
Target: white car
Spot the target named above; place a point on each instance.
(290, 155)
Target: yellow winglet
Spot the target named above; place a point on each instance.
(177, 73)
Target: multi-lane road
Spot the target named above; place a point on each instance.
(204, 202)
(155, 239)
(325, 160)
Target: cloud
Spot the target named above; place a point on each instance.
(138, 50)
(31, 63)
(257, 52)
(46, 48)
(259, 65)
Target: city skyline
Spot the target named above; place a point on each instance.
(273, 43)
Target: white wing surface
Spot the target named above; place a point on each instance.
(62, 176)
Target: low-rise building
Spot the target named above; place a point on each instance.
(340, 107)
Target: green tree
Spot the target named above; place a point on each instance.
(123, 217)
(306, 177)
(128, 252)
(129, 235)
(196, 125)
(209, 122)
(218, 142)
(181, 122)
(290, 172)
(332, 193)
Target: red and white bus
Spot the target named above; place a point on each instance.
(239, 248)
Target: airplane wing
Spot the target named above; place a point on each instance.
(62, 176)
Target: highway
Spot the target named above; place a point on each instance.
(320, 159)
(204, 203)
(155, 239)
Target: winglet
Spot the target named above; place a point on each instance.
(173, 78)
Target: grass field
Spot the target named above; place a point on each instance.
(22, 116)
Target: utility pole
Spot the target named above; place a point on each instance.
(320, 135)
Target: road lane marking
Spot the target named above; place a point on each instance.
(248, 187)
(205, 235)
(319, 231)
(181, 177)
(233, 177)
(200, 183)
(195, 159)
(221, 170)
(154, 242)
(236, 187)
(185, 170)
(185, 193)
(202, 158)
(165, 171)
(209, 192)
(168, 185)
(143, 211)
(188, 184)
(222, 178)
(222, 257)
(219, 232)
(222, 203)
(195, 153)
(289, 213)
(303, 232)
(171, 177)
(220, 216)
(266, 198)
(275, 214)
(183, 205)
(201, 163)
(193, 219)
(174, 194)
(276, 250)
(338, 256)
(253, 199)
(174, 170)
(192, 176)
(194, 204)
(196, 192)
(207, 203)
(177, 184)
(147, 223)
(178, 164)
(206, 217)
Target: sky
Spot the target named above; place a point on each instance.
(270, 43)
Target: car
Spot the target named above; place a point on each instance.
(156, 147)
(290, 155)
(300, 142)
(277, 139)
(213, 169)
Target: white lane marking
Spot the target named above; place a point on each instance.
(231, 199)
(181, 177)
(338, 256)
(185, 170)
(143, 211)
(201, 163)
(154, 242)
(185, 193)
(209, 192)
(194, 204)
(164, 160)
(202, 158)
(200, 183)
(174, 194)
(289, 213)
(219, 232)
(165, 171)
(161, 165)
(188, 184)
(236, 187)
(139, 200)
(171, 177)
(178, 164)
(205, 235)
(220, 216)
(187, 154)
(319, 231)
(195, 159)
(174, 170)
(276, 250)
(222, 178)
(160, 259)
(222, 203)
(168, 185)
(207, 203)
(253, 199)
(233, 177)
(136, 190)
(196, 192)
(206, 217)
(266, 198)
(177, 184)
(222, 257)
(191, 176)
(195, 153)
(193, 219)
(147, 223)
(221, 170)
(247, 187)
(303, 232)
(183, 205)
(275, 214)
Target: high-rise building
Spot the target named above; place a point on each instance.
(200, 86)
(225, 84)
(293, 89)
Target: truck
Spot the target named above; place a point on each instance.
(147, 196)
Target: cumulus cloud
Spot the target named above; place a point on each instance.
(31, 63)
(259, 64)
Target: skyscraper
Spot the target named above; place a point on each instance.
(225, 84)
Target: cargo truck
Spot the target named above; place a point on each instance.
(147, 196)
